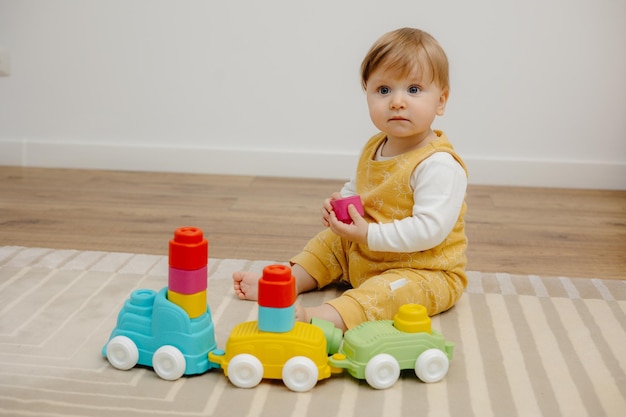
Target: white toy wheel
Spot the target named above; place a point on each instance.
(245, 371)
(432, 365)
(300, 374)
(382, 371)
(169, 363)
(122, 353)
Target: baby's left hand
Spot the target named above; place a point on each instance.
(355, 231)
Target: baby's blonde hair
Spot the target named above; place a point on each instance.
(410, 52)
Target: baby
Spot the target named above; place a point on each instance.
(409, 245)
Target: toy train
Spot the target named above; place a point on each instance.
(172, 331)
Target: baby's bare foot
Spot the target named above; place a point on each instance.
(246, 285)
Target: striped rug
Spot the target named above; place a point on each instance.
(525, 346)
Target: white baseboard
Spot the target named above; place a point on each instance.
(553, 174)
(277, 163)
(300, 164)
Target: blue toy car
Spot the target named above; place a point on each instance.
(153, 331)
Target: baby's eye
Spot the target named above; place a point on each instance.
(384, 90)
(414, 89)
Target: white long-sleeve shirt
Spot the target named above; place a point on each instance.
(439, 185)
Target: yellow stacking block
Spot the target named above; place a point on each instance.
(412, 318)
(194, 304)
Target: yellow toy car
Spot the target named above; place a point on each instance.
(299, 357)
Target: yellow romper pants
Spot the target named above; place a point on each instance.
(381, 281)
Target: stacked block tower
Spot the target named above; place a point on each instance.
(277, 299)
(170, 330)
(188, 258)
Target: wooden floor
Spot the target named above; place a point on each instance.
(550, 232)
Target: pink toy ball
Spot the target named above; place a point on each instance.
(340, 206)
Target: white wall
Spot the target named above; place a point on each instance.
(271, 87)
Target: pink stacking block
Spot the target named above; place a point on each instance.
(187, 282)
(340, 206)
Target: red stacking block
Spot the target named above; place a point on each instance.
(189, 249)
(187, 282)
(277, 287)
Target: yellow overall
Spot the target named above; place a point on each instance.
(383, 281)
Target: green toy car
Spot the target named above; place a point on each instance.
(377, 351)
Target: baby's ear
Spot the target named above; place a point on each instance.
(443, 100)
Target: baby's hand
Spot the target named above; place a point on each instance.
(355, 231)
(327, 209)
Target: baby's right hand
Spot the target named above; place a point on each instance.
(327, 208)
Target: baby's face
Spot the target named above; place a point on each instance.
(404, 107)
